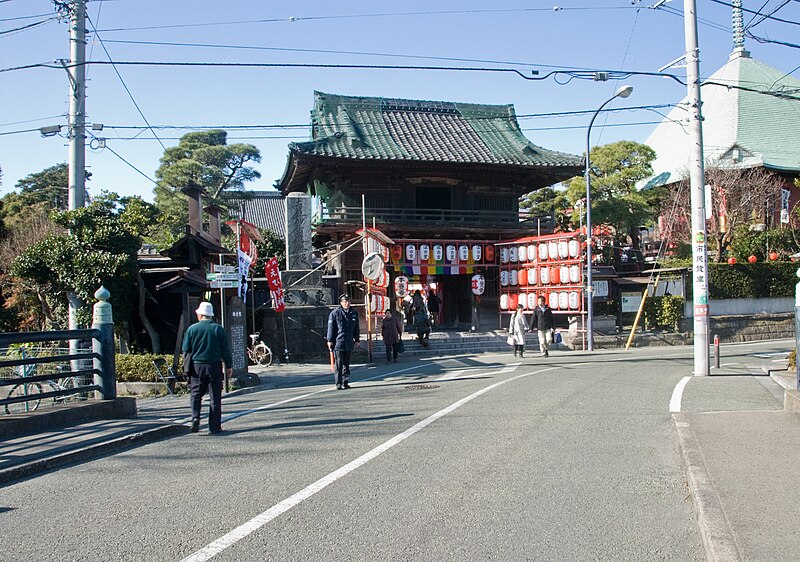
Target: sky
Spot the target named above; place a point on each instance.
(268, 106)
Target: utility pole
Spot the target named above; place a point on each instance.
(697, 183)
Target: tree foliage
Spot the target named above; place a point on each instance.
(205, 160)
(614, 171)
(99, 249)
(548, 201)
(739, 197)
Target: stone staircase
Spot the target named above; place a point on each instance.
(456, 343)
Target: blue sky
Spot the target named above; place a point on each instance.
(620, 35)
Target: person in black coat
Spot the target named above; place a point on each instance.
(342, 337)
(544, 323)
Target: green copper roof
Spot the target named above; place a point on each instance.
(742, 126)
(365, 128)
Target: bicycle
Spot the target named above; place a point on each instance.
(259, 352)
(33, 389)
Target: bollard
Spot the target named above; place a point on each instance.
(106, 378)
(797, 332)
(716, 351)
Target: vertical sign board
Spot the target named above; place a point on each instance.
(236, 326)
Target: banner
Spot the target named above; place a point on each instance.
(275, 284)
(245, 262)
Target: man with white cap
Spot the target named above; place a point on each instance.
(208, 346)
(342, 338)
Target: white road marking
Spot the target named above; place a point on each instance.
(242, 531)
(677, 395)
(482, 373)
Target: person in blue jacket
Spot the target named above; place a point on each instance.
(342, 338)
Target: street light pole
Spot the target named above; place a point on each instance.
(622, 92)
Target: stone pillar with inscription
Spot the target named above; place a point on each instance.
(236, 328)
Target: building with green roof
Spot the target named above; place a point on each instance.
(421, 171)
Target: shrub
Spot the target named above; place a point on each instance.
(139, 368)
(751, 280)
(663, 313)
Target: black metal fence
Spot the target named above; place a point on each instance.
(31, 375)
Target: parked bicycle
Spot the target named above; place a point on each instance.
(259, 352)
(33, 390)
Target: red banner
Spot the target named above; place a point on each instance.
(273, 275)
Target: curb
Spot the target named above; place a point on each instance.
(718, 538)
(91, 452)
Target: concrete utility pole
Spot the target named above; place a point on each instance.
(697, 183)
(77, 123)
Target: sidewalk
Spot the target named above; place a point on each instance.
(31, 453)
(742, 470)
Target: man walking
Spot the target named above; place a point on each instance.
(207, 345)
(342, 338)
(544, 322)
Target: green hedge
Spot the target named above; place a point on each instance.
(751, 280)
(663, 313)
(139, 368)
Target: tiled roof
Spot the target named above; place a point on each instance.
(365, 128)
(741, 127)
(265, 209)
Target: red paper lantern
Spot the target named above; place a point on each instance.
(773, 256)
(488, 253)
(752, 259)
(731, 260)
(397, 253)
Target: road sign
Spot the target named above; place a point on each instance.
(224, 284)
(222, 276)
(223, 268)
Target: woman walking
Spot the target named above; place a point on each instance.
(517, 328)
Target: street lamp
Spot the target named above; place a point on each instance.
(623, 92)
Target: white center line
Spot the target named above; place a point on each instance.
(242, 531)
(677, 395)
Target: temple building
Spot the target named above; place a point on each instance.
(437, 184)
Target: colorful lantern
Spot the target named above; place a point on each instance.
(438, 252)
(555, 275)
(512, 301)
(489, 251)
(523, 277)
(401, 286)
(478, 284)
(397, 253)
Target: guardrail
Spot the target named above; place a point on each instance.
(442, 216)
(23, 382)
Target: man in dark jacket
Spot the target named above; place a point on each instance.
(544, 323)
(208, 346)
(342, 338)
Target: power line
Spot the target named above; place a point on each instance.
(294, 19)
(130, 95)
(29, 26)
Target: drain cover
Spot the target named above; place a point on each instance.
(421, 386)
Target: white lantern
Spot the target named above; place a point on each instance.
(573, 248)
(411, 253)
(563, 249)
(563, 275)
(574, 274)
(438, 252)
(477, 252)
(573, 300)
(450, 252)
(522, 253)
(463, 253)
(552, 250)
(478, 284)
(401, 286)
(522, 300)
(553, 300)
(424, 253)
(503, 255)
(531, 252)
(514, 277)
(504, 302)
(544, 275)
(512, 254)
(542, 251)
(531, 301)
(563, 300)
(532, 276)
(504, 278)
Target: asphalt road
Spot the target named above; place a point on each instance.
(485, 457)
